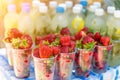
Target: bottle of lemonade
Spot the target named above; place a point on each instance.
(52, 8)
(43, 21)
(81, 7)
(110, 16)
(115, 25)
(69, 5)
(11, 18)
(90, 16)
(77, 21)
(25, 21)
(35, 9)
(59, 21)
(98, 24)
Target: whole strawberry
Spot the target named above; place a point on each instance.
(85, 29)
(64, 49)
(87, 39)
(50, 38)
(97, 36)
(37, 40)
(105, 40)
(79, 35)
(56, 50)
(65, 40)
(26, 42)
(45, 51)
(65, 31)
(14, 33)
(36, 52)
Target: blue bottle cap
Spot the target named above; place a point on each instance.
(84, 2)
(60, 9)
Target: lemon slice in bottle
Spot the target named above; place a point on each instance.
(78, 23)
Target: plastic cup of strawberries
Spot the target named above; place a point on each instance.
(102, 54)
(9, 53)
(21, 60)
(83, 62)
(64, 66)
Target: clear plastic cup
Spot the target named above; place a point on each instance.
(21, 59)
(64, 66)
(83, 62)
(44, 68)
(101, 58)
(9, 54)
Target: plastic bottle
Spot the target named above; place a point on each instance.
(43, 21)
(25, 22)
(115, 26)
(81, 7)
(35, 9)
(11, 18)
(52, 8)
(98, 24)
(69, 14)
(77, 21)
(84, 3)
(59, 21)
(91, 15)
(110, 16)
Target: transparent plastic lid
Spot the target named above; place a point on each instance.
(11, 7)
(25, 7)
(99, 12)
(52, 4)
(79, 5)
(76, 9)
(35, 3)
(63, 5)
(43, 9)
(69, 4)
(97, 4)
(60, 9)
(110, 9)
(117, 13)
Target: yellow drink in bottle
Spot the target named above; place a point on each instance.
(77, 22)
(11, 18)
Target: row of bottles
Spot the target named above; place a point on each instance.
(41, 20)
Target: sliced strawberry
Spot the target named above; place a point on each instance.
(65, 40)
(56, 50)
(45, 51)
(85, 29)
(65, 31)
(105, 40)
(79, 35)
(36, 52)
(50, 38)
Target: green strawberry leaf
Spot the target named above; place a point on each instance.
(89, 46)
(16, 43)
(56, 42)
(79, 43)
